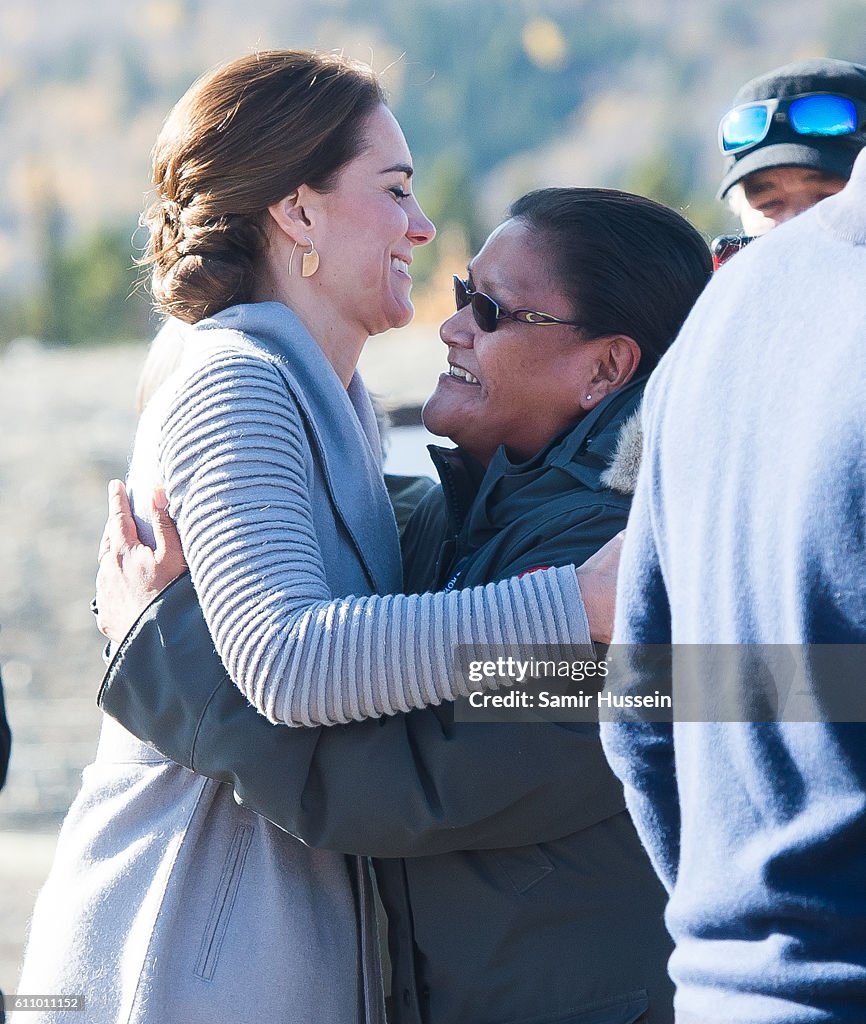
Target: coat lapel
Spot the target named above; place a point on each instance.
(341, 426)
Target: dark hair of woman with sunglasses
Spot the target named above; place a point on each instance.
(627, 264)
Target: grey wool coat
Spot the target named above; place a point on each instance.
(167, 901)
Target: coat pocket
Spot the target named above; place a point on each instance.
(523, 866)
(223, 902)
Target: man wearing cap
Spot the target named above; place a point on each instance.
(791, 139)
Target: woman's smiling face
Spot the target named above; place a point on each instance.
(365, 229)
(522, 384)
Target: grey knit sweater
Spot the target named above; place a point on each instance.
(229, 439)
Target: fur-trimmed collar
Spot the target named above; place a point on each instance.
(621, 475)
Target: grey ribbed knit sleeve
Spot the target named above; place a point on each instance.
(234, 458)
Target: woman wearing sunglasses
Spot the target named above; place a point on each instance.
(514, 884)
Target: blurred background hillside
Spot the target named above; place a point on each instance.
(495, 96)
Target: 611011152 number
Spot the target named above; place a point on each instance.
(44, 1002)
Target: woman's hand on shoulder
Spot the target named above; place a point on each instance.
(130, 573)
(597, 581)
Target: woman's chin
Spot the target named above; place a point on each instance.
(405, 314)
(399, 315)
(436, 416)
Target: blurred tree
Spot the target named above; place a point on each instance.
(88, 293)
(139, 85)
(93, 296)
(660, 176)
(545, 43)
(667, 176)
(738, 21)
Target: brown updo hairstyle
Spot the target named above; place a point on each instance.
(243, 137)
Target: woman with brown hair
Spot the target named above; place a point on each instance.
(281, 235)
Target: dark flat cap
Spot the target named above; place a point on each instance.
(783, 147)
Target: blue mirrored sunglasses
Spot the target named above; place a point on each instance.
(818, 113)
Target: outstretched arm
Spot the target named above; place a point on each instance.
(405, 785)
(135, 574)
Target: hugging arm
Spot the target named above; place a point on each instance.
(589, 543)
(235, 463)
(406, 785)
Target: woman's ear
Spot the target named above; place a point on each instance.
(293, 215)
(617, 365)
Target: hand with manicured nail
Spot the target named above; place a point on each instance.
(131, 574)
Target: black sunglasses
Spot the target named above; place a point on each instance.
(488, 313)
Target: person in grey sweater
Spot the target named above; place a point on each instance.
(281, 235)
(746, 552)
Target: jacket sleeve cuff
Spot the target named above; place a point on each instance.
(170, 642)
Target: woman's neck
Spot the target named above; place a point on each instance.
(340, 342)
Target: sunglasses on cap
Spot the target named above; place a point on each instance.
(823, 114)
(488, 313)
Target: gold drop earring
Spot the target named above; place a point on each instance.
(309, 261)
